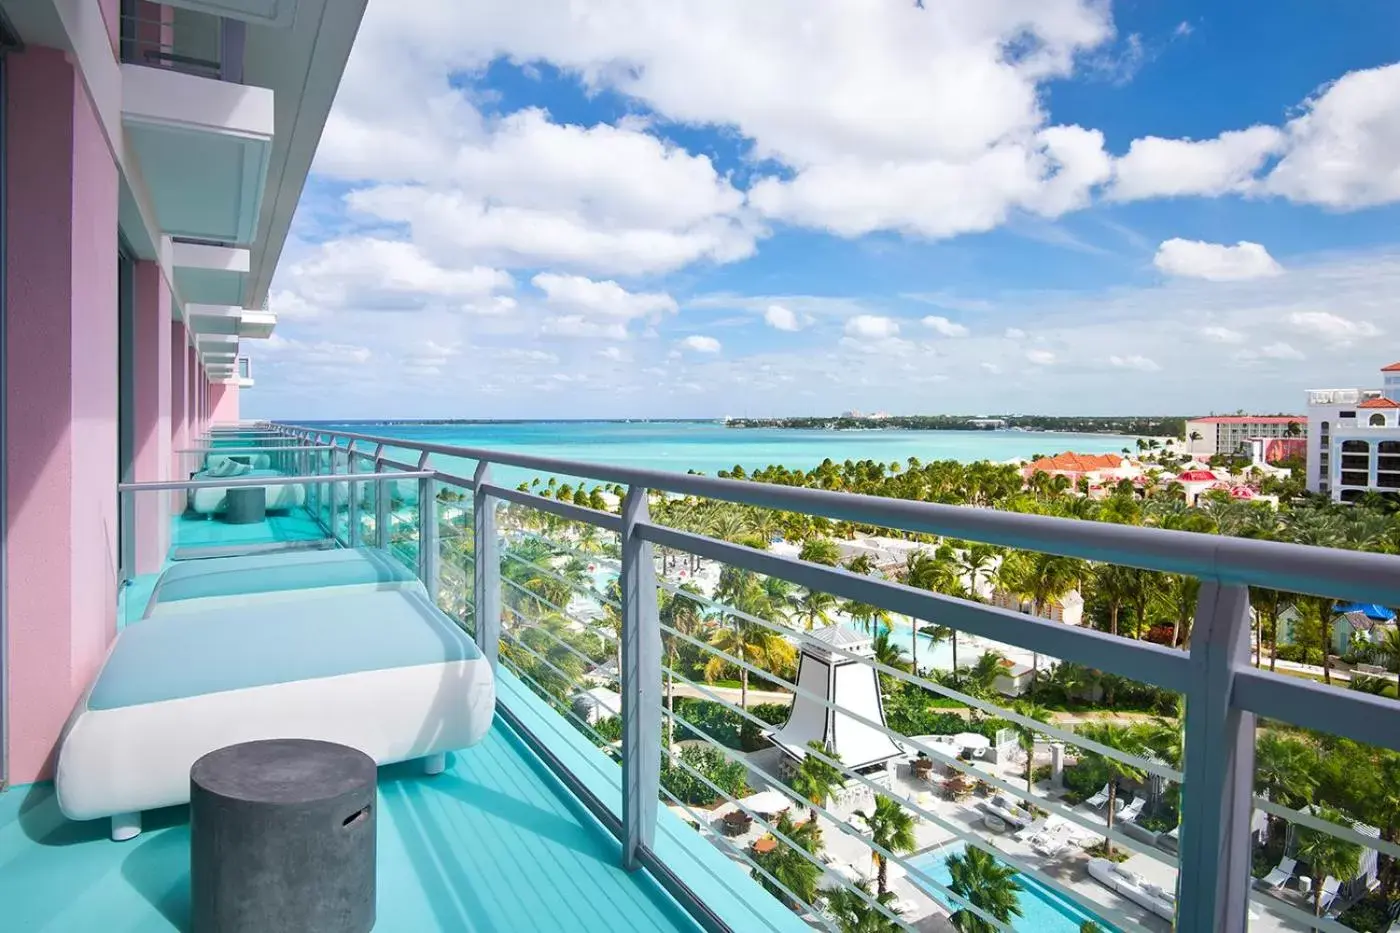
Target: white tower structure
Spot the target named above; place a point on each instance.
(848, 683)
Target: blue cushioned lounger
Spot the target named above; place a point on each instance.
(381, 670)
(236, 577)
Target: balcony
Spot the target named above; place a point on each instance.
(203, 139)
(625, 711)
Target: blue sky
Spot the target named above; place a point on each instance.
(629, 209)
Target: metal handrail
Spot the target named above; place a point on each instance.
(1295, 568)
(272, 481)
(1223, 692)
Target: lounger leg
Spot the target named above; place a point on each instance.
(435, 764)
(125, 826)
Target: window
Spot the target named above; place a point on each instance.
(1377, 420)
(1355, 478)
(244, 369)
(1346, 414)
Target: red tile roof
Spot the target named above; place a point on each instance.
(1379, 403)
(1197, 476)
(1392, 368)
(1250, 419)
(1069, 462)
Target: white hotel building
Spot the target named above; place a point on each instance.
(1354, 439)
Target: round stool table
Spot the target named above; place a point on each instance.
(244, 505)
(282, 838)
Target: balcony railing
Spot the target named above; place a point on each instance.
(506, 561)
(183, 40)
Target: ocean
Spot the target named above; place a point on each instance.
(709, 447)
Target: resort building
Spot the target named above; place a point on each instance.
(1098, 469)
(1068, 608)
(1226, 434)
(1354, 439)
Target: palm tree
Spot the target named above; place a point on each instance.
(1326, 855)
(1026, 736)
(682, 613)
(892, 829)
(816, 780)
(1048, 577)
(814, 608)
(1318, 609)
(861, 564)
(1268, 606)
(1123, 739)
(854, 914)
(975, 562)
(1115, 587)
(980, 679)
(986, 883)
(743, 638)
(820, 551)
(1284, 770)
(1389, 648)
(790, 866)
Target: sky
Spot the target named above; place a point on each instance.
(656, 208)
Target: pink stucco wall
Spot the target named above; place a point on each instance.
(111, 14)
(192, 416)
(223, 403)
(151, 411)
(61, 403)
(179, 409)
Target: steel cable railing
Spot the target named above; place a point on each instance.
(1223, 693)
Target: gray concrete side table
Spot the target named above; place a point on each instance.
(244, 505)
(282, 839)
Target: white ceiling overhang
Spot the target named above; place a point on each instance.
(203, 146)
(208, 274)
(277, 13)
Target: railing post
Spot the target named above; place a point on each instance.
(352, 493)
(427, 530)
(641, 684)
(486, 568)
(1217, 797)
(334, 496)
(127, 545)
(382, 497)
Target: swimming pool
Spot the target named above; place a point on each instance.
(932, 654)
(1043, 909)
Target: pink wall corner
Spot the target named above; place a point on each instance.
(195, 432)
(180, 464)
(223, 402)
(61, 327)
(111, 15)
(151, 435)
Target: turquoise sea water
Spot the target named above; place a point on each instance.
(1043, 910)
(708, 447)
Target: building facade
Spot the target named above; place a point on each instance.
(1354, 439)
(1227, 434)
(152, 158)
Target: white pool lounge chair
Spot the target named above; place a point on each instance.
(1134, 887)
(1330, 887)
(1006, 810)
(1098, 799)
(382, 671)
(1279, 876)
(1131, 811)
(240, 580)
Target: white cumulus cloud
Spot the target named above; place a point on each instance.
(1041, 357)
(1015, 333)
(871, 327)
(1333, 328)
(1134, 361)
(1155, 167)
(1215, 262)
(701, 344)
(605, 299)
(781, 317)
(943, 326)
(1218, 334)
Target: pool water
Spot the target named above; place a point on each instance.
(1043, 910)
(931, 654)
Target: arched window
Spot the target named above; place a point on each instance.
(1377, 420)
(1355, 447)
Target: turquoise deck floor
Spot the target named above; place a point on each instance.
(493, 844)
(196, 531)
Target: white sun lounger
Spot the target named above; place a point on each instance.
(1131, 811)
(382, 671)
(1280, 874)
(1330, 887)
(1098, 799)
